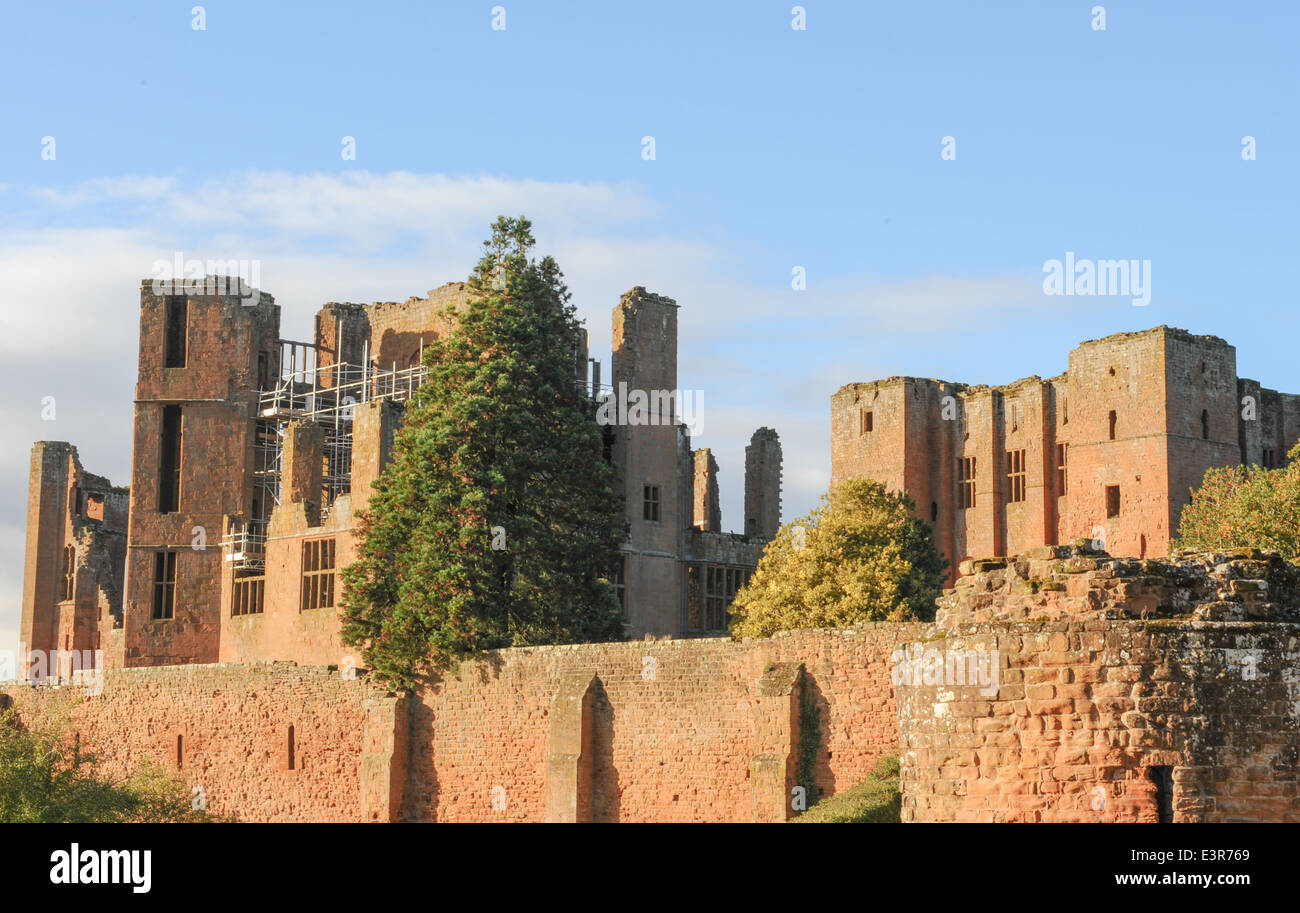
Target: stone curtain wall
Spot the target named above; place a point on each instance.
(670, 730)
(232, 722)
(1111, 675)
(674, 725)
(1063, 685)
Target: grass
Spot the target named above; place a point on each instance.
(876, 800)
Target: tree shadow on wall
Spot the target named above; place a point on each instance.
(420, 798)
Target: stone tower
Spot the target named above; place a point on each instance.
(203, 358)
(763, 484)
(645, 458)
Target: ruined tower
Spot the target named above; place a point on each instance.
(763, 484)
(203, 358)
(76, 547)
(645, 458)
(707, 510)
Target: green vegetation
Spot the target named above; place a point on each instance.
(495, 524)
(46, 778)
(859, 557)
(1245, 507)
(877, 800)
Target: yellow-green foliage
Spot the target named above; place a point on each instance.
(877, 800)
(1245, 507)
(859, 557)
(45, 777)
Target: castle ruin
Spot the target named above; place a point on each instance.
(1110, 450)
(253, 454)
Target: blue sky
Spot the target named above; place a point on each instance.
(775, 148)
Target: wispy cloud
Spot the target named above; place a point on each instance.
(764, 355)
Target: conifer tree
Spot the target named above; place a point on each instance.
(495, 524)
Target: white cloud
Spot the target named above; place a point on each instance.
(765, 355)
(101, 190)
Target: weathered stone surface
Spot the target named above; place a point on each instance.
(1093, 707)
(1102, 455)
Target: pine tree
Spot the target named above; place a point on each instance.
(496, 523)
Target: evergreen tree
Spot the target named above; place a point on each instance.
(495, 524)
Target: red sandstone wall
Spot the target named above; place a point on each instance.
(674, 724)
(674, 729)
(216, 390)
(233, 722)
(1084, 709)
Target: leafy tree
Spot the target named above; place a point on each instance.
(1245, 507)
(495, 524)
(46, 778)
(859, 557)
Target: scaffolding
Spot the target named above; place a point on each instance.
(327, 395)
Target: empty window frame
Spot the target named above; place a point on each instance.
(966, 480)
(1112, 500)
(169, 461)
(1062, 462)
(866, 422)
(1015, 476)
(714, 597)
(720, 587)
(164, 585)
(318, 574)
(1113, 420)
(176, 331)
(650, 503)
(249, 597)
